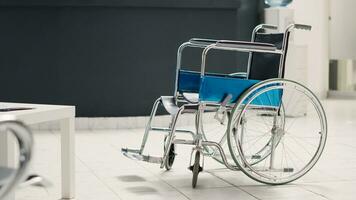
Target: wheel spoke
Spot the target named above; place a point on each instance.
(296, 148)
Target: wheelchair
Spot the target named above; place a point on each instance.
(10, 178)
(275, 129)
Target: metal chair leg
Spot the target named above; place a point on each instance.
(148, 126)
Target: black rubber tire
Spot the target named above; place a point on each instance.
(196, 169)
(170, 159)
(171, 155)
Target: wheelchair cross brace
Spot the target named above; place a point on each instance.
(136, 154)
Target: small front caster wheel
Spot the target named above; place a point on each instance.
(171, 156)
(196, 168)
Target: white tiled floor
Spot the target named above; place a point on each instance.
(102, 173)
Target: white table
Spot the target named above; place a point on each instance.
(45, 113)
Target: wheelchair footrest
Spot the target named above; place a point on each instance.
(135, 155)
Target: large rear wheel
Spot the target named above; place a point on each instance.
(285, 120)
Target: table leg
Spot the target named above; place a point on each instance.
(68, 158)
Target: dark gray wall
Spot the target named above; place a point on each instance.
(110, 59)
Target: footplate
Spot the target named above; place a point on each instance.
(134, 154)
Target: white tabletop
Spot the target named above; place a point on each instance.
(39, 112)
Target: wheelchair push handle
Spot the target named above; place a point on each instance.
(269, 26)
(303, 27)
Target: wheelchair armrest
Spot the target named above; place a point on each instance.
(203, 41)
(246, 45)
(239, 74)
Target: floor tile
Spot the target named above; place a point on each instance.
(102, 172)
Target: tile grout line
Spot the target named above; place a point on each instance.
(235, 186)
(175, 189)
(160, 178)
(107, 186)
(321, 195)
(300, 186)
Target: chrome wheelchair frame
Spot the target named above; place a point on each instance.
(237, 109)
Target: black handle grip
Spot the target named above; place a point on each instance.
(303, 27)
(269, 26)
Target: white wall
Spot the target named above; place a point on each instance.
(342, 29)
(315, 13)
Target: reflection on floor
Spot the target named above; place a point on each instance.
(103, 173)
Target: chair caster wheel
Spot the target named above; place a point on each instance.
(196, 169)
(171, 156)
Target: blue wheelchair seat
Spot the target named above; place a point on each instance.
(213, 88)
